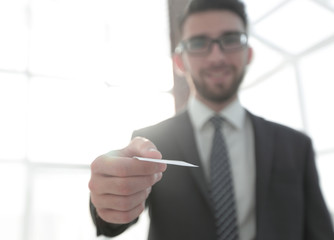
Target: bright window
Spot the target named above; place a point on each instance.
(77, 77)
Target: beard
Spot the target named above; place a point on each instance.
(222, 92)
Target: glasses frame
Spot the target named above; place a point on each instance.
(182, 46)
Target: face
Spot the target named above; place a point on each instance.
(216, 76)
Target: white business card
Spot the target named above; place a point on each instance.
(172, 162)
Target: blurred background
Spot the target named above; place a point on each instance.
(78, 76)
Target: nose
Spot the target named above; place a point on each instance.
(216, 52)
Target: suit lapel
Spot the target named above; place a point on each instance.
(263, 135)
(264, 143)
(186, 141)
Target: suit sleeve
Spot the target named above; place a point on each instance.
(105, 228)
(318, 220)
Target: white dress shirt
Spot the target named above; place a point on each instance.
(239, 136)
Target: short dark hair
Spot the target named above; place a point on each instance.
(197, 6)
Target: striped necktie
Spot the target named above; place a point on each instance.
(221, 190)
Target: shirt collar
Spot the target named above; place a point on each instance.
(234, 113)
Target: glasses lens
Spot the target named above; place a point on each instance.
(228, 42)
(233, 41)
(197, 45)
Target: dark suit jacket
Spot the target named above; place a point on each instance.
(289, 203)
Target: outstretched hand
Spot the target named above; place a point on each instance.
(120, 184)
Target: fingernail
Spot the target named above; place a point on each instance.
(152, 150)
(158, 176)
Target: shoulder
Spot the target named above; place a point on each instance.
(277, 130)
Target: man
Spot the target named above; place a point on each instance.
(272, 181)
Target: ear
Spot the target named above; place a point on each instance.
(178, 63)
(250, 55)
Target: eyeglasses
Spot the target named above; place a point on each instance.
(202, 45)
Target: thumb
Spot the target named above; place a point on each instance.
(141, 147)
(151, 153)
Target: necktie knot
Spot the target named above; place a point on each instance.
(216, 121)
